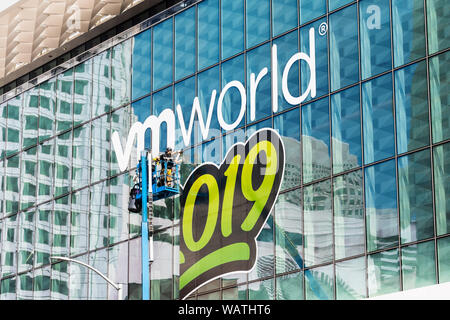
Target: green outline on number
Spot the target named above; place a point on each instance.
(233, 252)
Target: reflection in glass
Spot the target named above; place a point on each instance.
(162, 53)
(185, 43)
(443, 253)
(208, 33)
(26, 240)
(235, 293)
(284, 15)
(264, 266)
(418, 265)
(64, 96)
(290, 286)
(3, 117)
(9, 246)
(79, 222)
(208, 81)
(142, 43)
(82, 100)
(121, 73)
(383, 273)
(258, 21)
(98, 216)
(351, 279)
(319, 283)
(41, 284)
(318, 226)
(98, 287)
(47, 105)
(232, 27)
(81, 156)
(184, 96)
(28, 176)
(43, 234)
(262, 290)
(161, 272)
(120, 123)
(439, 93)
(12, 180)
(311, 9)
(25, 287)
(78, 286)
(438, 27)
(100, 148)
(441, 157)
(334, 4)
(46, 167)
(118, 269)
(60, 281)
(63, 161)
(118, 208)
(14, 132)
(61, 226)
(101, 89)
(30, 117)
(8, 289)
(134, 270)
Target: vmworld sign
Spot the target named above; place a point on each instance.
(153, 122)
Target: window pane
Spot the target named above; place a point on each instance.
(41, 284)
(375, 38)
(47, 105)
(25, 287)
(211, 151)
(264, 265)
(161, 270)
(26, 240)
(258, 21)
(311, 9)
(141, 64)
(232, 27)
(12, 184)
(409, 30)
(344, 66)
(284, 15)
(316, 140)
(411, 107)
(263, 290)
(79, 222)
(381, 206)
(162, 54)
(121, 73)
(185, 43)
(443, 247)
(439, 92)
(118, 207)
(8, 289)
(141, 110)
(208, 33)
(346, 130)
(9, 246)
(351, 279)
(14, 134)
(418, 265)
(441, 158)
(318, 226)
(348, 215)
(60, 281)
(30, 118)
(184, 96)
(82, 104)
(78, 289)
(415, 197)
(319, 283)
(63, 161)
(208, 81)
(438, 27)
(378, 122)
(120, 123)
(80, 153)
(3, 117)
(98, 216)
(61, 227)
(383, 273)
(98, 287)
(290, 287)
(64, 96)
(100, 148)
(289, 232)
(28, 178)
(43, 235)
(334, 4)
(118, 269)
(101, 99)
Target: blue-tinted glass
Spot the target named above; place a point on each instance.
(141, 111)
(334, 4)
(375, 37)
(411, 107)
(64, 101)
(319, 283)
(232, 27)
(440, 96)
(284, 15)
(287, 46)
(346, 130)
(316, 140)
(381, 206)
(211, 151)
(208, 81)
(344, 66)
(232, 138)
(351, 279)
(141, 64)
(185, 43)
(101, 83)
(258, 21)
(441, 159)
(162, 100)
(321, 45)
(311, 9)
(378, 122)
(438, 15)
(418, 265)
(184, 96)
(208, 33)
(408, 30)
(415, 196)
(260, 125)
(162, 54)
(383, 271)
(232, 70)
(257, 60)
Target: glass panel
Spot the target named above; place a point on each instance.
(14, 134)
(438, 27)
(316, 140)
(2, 186)
(162, 54)
(418, 265)
(440, 95)
(211, 152)
(101, 99)
(47, 106)
(25, 287)
(375, 37)
(61, 227)
(344, 66)
(232, 19)
(9, 246)
(134, 270)
(311, 9)
(30, 118)
(8, 289)
(98, 287)
(383, 273)
(378, 120)
(60, 282)
(41, 284)
(348, 215)
(284, 15)
(334, 4)
(28, 178)
(236, 293)
(318, 226)
(141, 64)
(261, 290)
(288, 126)
(351, 279)
(121, 73)
(63, 161)
(290, 286)
(12, 184)
(257, 59)
(98, 216)
(415, 196)
(264, 266)
(80, 156)
(78, 289)
(258, 21)
(184, 96)
(64, 96)
(43, 235)
(346, 130)
(100, 148)
(118, 270)
(3, 117)
(185, 43)
(82, 100)
(441, 157)
(164, 100)
(79, 222)
(411, 107)
(118, 207)
(141, 110)
(289, 232)
(26, 240)
(321, 46)
(208, 81)
(208, 33)
(319, 283)
(120, 123)
(232, 138)
(161, 272)
(381, 206)
(443, 253)
(408, 30)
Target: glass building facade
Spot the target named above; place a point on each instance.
(365, 201)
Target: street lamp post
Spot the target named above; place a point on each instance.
(118, 287)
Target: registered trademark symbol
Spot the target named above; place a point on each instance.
(323, 28)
